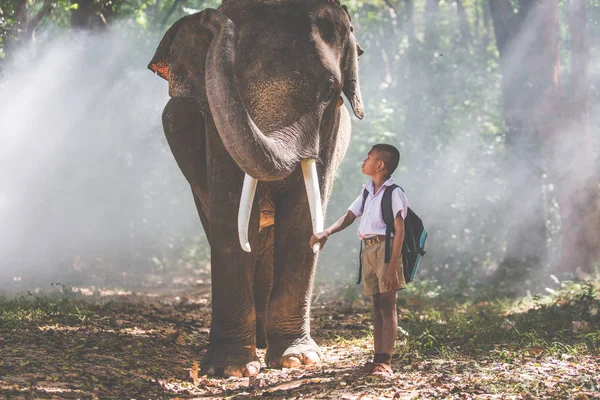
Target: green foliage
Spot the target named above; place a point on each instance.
(431, 86)
(447, 341)
(6, 22)
(35, 309)
(148, 16)
(562, 323)
(437, 98)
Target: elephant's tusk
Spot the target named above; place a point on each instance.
(311, 181)
(246, 200)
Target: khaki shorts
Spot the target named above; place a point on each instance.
(374, 267)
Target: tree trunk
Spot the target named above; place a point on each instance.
(485, 37)
(22, 32)
(431, 18)
(525, 218)
(94, 14)
(87, 15)
(572, 162)
(463, 23)
(409, 22)
(20, 9)
(174, 6)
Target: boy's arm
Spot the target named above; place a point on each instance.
(391, 278)
(342, 223)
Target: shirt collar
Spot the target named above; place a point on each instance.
(369, 186)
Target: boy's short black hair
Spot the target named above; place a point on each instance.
(389, 155)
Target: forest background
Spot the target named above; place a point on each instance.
(491, 103)
(105, 271)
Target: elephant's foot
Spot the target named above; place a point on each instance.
(230, 360)
(295, 354)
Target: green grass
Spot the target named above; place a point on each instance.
(37, 309)
(449, 342)
(564, 321)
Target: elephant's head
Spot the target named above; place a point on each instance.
(274, 68)
(270, 72)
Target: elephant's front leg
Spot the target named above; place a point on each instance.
(232, 347)
(288, 322)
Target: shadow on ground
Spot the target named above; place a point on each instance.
(98, 343)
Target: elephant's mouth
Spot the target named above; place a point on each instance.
(311, 182)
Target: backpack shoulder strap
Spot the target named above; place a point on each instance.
(365, 195)
(364, 200)
(388, 218)
(386, 206)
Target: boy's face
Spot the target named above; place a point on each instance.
(372, 165)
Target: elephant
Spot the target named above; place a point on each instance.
(258, 127)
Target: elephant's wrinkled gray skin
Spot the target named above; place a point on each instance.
(255, 88)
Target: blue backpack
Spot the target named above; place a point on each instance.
(415, 235)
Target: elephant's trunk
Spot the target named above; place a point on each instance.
(264, 157)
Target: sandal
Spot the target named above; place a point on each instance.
(382, 369)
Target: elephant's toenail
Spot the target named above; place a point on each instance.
(251, 369)
(291, 362)
(232, 371)
(311, 357)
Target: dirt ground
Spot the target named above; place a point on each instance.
(94, 343)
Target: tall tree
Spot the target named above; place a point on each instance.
(25, 16)
(552, 122)
(93, 14)
(432, 9)
(523, 60)
(572, 161)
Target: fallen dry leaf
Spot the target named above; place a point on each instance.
(580, 326)
(194, 374)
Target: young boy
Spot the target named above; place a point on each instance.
(381, 280)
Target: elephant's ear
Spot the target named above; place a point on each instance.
(160, 61)
(351, 87)
(180, 58)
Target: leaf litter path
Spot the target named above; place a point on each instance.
(145, 346)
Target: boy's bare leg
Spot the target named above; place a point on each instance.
(377, 323)
(387, 305)
(385, 325)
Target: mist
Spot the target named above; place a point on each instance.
(443, 110)
(90, 193)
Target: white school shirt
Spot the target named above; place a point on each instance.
(371, 223)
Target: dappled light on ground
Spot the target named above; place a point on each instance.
(117, 343)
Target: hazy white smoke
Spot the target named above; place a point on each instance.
(85, 169)
(84, 166)
(445, 115)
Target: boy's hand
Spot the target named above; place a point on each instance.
(320, 238)
(390, 279)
